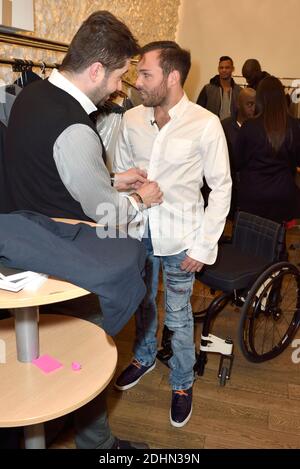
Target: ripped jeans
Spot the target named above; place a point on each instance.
(178, 287)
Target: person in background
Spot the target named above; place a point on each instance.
(268, 153)
(178, 143)
(231, 127)
(221, 94)
(55, 162)
(253, 73)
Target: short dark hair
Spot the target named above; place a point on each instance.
(101, 38)
(250, 68)
(225, 58)
(172, 57)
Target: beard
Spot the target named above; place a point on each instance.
(99, 98)
(103, 100)
(155, 97)
(101, 94)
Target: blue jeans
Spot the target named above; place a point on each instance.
(178, 287)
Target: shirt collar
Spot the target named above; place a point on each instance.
(179, 108)
(59, 80)
(175, 111)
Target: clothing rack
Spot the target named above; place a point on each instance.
(31, 41)
(22, 65)
(291, 87)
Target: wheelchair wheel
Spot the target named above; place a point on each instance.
(270, 315)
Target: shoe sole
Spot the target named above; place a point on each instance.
(180, 424)
(128, 386)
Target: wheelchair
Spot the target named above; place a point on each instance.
(253, 273)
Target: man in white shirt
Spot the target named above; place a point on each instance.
(178, 143)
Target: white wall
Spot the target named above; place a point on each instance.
(264, 29)
(22, 14)
(17, 14)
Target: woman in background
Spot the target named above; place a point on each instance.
(268, 155)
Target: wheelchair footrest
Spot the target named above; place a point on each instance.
(211, 343)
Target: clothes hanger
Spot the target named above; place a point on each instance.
(43, 69)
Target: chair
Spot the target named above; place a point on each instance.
(251, 272)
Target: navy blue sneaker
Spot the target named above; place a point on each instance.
(181, 407)
(132, 374)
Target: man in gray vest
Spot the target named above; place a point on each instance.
(55, 159)
(221, 94)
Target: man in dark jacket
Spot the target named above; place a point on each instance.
(231, 127)
(253, 73)
(221, 94)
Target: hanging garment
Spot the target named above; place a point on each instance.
(27, 77)
(13, 89)
(6, 102)
(108, 126)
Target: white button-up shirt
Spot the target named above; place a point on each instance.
(189, 147)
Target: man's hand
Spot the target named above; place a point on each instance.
(191, 265)
(131, 179)
(150, 194)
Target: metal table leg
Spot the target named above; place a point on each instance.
(27, 334)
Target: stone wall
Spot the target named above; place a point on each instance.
(58, 20)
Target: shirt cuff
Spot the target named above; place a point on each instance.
(133, 202)
(203, 255)
(138, 207)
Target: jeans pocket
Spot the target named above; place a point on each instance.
(178, 290)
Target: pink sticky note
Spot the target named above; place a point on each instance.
(47, 363)
(76, 366)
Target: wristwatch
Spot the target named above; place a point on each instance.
(138, 197)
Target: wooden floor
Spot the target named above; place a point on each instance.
(258, 408)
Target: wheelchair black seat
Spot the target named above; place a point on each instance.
(256, 243)
(233, 270)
